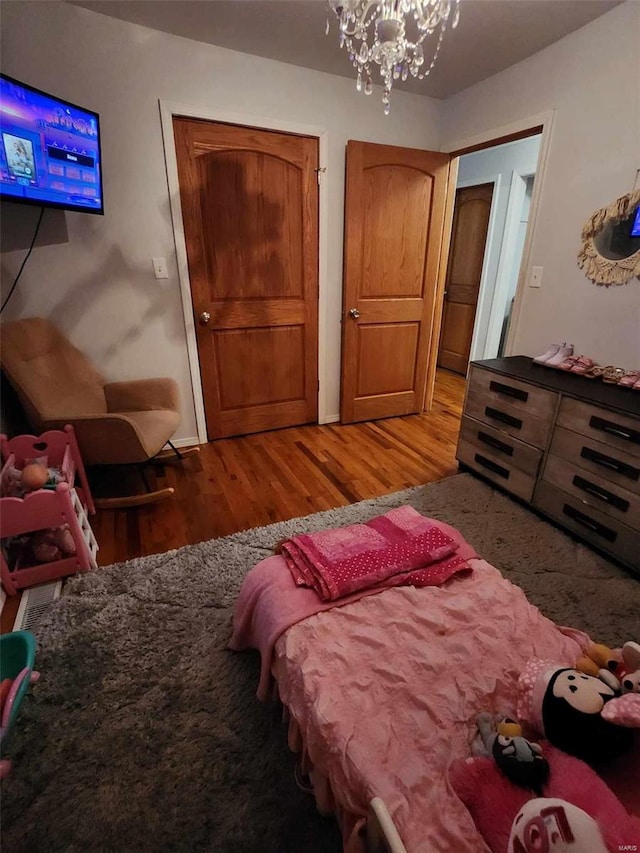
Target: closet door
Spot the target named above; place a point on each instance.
(395, 234)
(250, 210)
(464, 274)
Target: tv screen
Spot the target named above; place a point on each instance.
(49, 150)
(635, 226)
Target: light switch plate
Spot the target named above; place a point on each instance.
(535, 279)
(160, 268)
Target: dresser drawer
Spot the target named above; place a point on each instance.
(601, 530)
(598, 458)
(615, 430)
(507, 418)
(519, 395)
(512, 452)
(594, 491)
(493, 465)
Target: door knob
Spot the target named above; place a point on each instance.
(204, 318)
(354, 313)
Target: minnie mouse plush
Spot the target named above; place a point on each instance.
(574, 713)
(572, 717)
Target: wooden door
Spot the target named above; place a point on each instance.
(250, 209)
(394, 225)
(464, 272)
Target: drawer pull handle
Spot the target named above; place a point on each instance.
(609, 462)
(492, 466)
(612, 428)
(581, 518)
(497, 415)
(509, 391)
(600, 493)
(494, 442)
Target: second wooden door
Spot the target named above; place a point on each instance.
(464, 273)
(394, 230)
(250, 210)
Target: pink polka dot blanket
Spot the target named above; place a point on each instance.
(398, 548)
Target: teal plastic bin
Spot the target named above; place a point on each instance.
(17, 659)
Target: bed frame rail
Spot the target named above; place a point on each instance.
(382, 835)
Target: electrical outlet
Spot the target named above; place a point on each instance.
(160, 268)
(535, 279)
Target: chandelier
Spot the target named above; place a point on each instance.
(381, 32)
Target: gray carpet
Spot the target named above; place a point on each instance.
(144, 734)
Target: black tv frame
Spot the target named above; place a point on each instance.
(4, 197)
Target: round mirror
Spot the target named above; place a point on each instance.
(615, 241)
(610, 252)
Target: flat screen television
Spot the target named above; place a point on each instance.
(49, 150)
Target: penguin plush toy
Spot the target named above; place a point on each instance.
(519, 759)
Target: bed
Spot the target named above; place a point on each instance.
(381, 693)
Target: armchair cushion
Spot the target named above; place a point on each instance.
(141, 395)
(121, 438)
(115, 422)
(51, 377)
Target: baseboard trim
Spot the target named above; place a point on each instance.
(185, 442)
(191, 442)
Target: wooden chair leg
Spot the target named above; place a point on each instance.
(143, 475)
(134, 498)
(174, 454)
(129, 501)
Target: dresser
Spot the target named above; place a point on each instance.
(566, 445)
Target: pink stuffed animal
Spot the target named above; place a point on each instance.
(579, 805)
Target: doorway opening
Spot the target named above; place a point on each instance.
(493, 197)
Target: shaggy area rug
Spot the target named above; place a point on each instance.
(144, 733)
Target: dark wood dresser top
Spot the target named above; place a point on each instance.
(594, 391)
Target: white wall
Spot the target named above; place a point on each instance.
(495, 165)
(591, 79)
(98, 286)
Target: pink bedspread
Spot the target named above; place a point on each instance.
(386, 690)
(339, 561)
(270, 602)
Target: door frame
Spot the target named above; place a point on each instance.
(169, 109)
(541, 123)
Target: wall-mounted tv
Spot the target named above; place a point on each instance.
(49, 150)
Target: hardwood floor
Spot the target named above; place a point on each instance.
(238, 483)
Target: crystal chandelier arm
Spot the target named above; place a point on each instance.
(435, 14)
(350, 25)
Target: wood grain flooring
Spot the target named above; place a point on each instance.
(238, 483)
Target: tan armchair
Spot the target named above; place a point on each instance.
(116, 423)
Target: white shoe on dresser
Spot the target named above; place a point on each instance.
(553, 350)
(557, 359)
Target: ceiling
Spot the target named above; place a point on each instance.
(491, 35)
